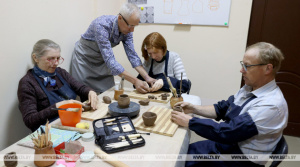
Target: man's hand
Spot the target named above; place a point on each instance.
(157, 85)
(180, 118)
(141, 86)
(187, 107)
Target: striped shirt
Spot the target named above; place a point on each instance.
(175, 66)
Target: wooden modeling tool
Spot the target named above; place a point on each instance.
(42, 140)
(180, 86)
(66, 109)
(172, 89)
(109, 159)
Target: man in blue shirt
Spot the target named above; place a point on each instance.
(93, 60)
(253, 118)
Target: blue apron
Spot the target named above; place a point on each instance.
(161, 75)
(212, 147)
(63, 93)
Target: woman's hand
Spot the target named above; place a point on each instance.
(67, 102)
(93, 99)
(180, 118)
(150, 81)
(157, 85)
(187, 107)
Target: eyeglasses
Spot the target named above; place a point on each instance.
(246, 66)
(53, 60)
(129, 26)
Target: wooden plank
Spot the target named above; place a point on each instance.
(163, 124)
(101, 112)
(136, 95)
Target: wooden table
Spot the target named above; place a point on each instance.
(156, 145)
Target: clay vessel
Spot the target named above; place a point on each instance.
(149, 118)
(174, 100)
(11, 159)
(118, 93)
(164, 96)
(41, 160)
(178, 108)
(123, 101)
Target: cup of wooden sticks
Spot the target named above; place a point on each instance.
(42, 146)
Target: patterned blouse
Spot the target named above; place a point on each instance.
(105, 31)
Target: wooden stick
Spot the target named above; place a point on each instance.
(109, 159)
(180, 85)
(70, 128)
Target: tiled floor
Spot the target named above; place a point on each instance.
(293, 144)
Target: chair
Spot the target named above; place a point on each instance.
(281, 148)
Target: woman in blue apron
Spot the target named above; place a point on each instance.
(47, 86)
(158, 60)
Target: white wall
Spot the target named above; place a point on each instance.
(22, 24)
(211, 55)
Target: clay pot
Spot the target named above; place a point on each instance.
(174, 100)
(11, 159)
(178, 108)
(41, 160)
(123, 101)
(118, 93)
(164, 97)
(149, 118)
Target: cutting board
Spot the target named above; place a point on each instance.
(136, 95)
(163, 124)
(101, 112)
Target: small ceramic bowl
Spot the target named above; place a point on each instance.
(149, 118)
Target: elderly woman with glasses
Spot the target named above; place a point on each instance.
(47, 86)
(93, 60)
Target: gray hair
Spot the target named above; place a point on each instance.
(269, 54)
(129, 9)
(42, 46)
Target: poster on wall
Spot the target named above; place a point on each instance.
(194, 12)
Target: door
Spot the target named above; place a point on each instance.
(278, 22)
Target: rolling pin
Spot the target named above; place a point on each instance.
(109, 159)
(70, 128)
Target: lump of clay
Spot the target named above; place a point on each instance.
(151, 96)
(106, 99)
(86, 107)
(144, 102)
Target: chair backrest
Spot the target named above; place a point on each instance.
(281, 148)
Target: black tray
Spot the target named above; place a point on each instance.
(106, 135)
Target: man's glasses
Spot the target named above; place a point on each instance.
(53, 60)
(246, 66)
(129, 26)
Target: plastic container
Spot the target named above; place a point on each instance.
(70, 118)
(66, 156)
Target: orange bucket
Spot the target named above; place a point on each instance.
(70, 118)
